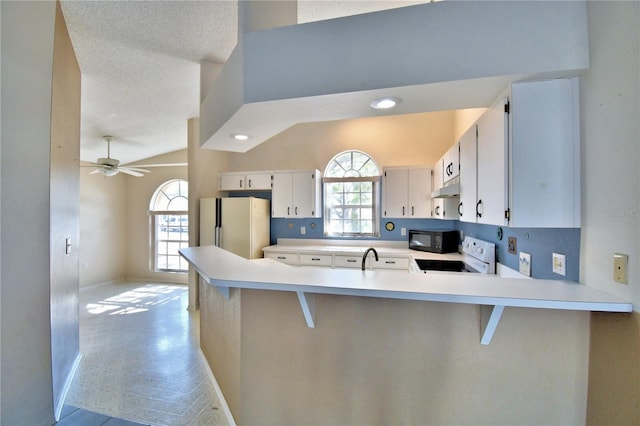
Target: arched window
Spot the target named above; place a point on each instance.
(351, 193)
(168, 212)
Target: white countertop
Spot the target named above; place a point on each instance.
(226, 270)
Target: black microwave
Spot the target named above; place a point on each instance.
(434, 241)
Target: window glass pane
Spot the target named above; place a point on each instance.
(359, 159)
(351, 207)
(171, 231)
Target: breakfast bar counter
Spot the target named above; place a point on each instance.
(225, 270)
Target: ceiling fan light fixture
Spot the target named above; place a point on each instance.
(110, 173)
(240, 136)
(385, 103)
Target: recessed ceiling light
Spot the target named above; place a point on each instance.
(240, 136)
(385, 103)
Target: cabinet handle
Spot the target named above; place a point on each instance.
(460, 208)
(296, 210)
(282, 257)
(478, 214)
(390, 262)
(351, 260)
(437, 210)
(288, 211)
(249, 183)
(402, 210)
(317, 259)
(412, 211)
(240, 183)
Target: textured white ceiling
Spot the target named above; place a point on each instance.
(140, 65)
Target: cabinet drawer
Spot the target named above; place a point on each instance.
(288, 258)
(348, 261)
(316, 259)
(391, 263)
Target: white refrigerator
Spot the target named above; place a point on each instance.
(240, 225)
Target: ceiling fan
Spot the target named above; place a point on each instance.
(111, 167)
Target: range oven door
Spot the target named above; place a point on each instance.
(443, 265)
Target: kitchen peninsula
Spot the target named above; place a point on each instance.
(225, 270)
(256, 339)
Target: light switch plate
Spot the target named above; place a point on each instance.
(559, 264)
(525, 263)
(620, 262)
(303, 230)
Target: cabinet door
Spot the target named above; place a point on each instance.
(545, 154)
(437, 204)
(468, 178)
(258, 181)
(492, 165)
(419, 204)
(396, 192)
(304, 195)
(231, 182)
(281, 197)
(451, 164)
(288, 258)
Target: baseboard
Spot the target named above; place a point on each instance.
(67, 385)
(92, 286)
(223, 402)
(156, 280)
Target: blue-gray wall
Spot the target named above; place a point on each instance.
(540, 243)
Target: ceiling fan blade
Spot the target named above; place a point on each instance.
(159, 165)
(136, 169)
(130, 172)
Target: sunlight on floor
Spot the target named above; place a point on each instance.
(134, 301)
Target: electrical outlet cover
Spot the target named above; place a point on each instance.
(620, 262)
(525, 263)
(559, 264)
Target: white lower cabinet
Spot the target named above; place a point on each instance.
(316, 260)
(340, 261)
(288, 258)
(391, 263)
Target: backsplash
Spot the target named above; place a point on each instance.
(540, 243)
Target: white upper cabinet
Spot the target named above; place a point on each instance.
(244, 181)
(468, 179)
(545, 154)
(528, 158)
(442, 208)
(492, 175)
(296, 194)
(451, 163)
(406, 192)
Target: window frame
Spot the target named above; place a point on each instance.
(155, 217)
(375, 180)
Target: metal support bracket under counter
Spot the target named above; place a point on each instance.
(225, 270)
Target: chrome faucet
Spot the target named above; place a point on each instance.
(366, 253)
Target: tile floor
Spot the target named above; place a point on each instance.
(140, 357)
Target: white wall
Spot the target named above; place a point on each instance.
(114, 223)
(140, 190)
(27, 53)
(610, 92)
(103, 228)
